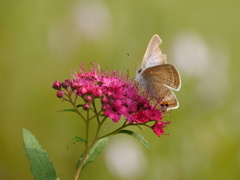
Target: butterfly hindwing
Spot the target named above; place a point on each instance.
(162, 94)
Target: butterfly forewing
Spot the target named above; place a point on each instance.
(153, 55)
(166, 74)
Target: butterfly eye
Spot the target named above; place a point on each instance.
(140, 70)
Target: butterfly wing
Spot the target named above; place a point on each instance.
(166, 74)
(162, 94)
(157, 77)
(153, 55)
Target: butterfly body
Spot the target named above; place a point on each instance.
(157, 77)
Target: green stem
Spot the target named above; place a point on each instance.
(80, 165)
(86, 149)
(96, 115)
(114, 132)
(95, 110)
(99, 126)
(83, 159)
(74, 105)
(96, 137)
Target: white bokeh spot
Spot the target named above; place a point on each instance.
(93, 18)
(125, 159)
(207, 65)
(191, 54)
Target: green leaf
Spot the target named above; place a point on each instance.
(97, 148)
(75, 140)
(67, 110)
(138, 136)
(78, 139)
(41, 166)
(78, 162)
(79, 105)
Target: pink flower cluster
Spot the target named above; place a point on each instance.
(119, 96)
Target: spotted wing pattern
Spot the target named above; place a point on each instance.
(162, 94)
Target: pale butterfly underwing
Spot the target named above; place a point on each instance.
(157, 77)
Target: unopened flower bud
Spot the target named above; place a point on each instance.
(56, 85)
(111, 102)
(97, 91)
(86, 107)
(69, 81)
(65, 85)
(74, 85)
(60, 94)
(81, 91)
(104, 100)
(88, 98)
(105, 107)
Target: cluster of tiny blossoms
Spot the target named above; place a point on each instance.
(120, 96)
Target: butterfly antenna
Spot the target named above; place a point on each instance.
(133, 59)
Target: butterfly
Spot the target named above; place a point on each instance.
(157, 77)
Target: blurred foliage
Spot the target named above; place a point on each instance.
(42, 41)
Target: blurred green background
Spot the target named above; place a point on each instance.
(43, 41)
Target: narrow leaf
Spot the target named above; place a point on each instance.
(97, 148)
(79, 105)
(67, 110)
(75, 140)
(78, 139)
(138, 136)
(41, 166)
